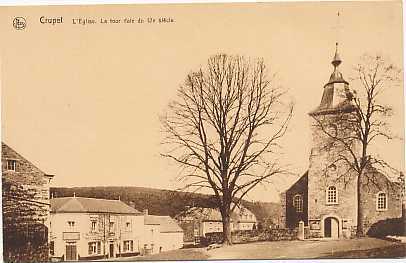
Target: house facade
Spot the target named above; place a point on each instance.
(325, 196)
(90, 228)
(26, 206)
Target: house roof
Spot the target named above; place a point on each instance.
(212, 214)
(90, 205)
(166, 223)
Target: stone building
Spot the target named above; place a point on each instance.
(25, 193)
(325, 196)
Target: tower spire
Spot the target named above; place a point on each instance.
(336, 76)
(336, 59)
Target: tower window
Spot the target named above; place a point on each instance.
(381, 201)
(331, 195)
(298, 203)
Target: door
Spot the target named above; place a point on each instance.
(327, 227)
(331, 227)
(334, 228)
(111, 254)
(70, 251)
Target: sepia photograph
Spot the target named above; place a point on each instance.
(202, 131)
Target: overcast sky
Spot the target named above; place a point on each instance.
(82, 102)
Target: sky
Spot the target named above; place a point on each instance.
(83, 102)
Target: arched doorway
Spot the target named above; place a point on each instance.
(331, 227)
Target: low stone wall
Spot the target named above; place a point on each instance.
(252, 236)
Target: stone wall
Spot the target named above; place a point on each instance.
(277, 234)
(25, 209)
(388, 221)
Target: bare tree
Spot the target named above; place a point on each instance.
(361, 123)
(224, 128)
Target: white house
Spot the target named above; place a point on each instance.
(89, 228)
(161, 233)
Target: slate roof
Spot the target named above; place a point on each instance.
(90, 205)
(166, 223)
(329, 92)
(211, 214)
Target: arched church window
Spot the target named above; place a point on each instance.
(381, 201)
(298, 203)
(332, 195)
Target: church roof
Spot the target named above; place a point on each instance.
(331, 92)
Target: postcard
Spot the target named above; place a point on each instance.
(202, 131)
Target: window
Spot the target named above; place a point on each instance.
(381, 201)
(94, 248)
(111, 227)
(11, 165)
(71, 225)
(94, 226)
(128, 226)
(332, 195)
(128, 245)
(298, 203)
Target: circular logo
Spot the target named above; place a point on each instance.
(19, 23)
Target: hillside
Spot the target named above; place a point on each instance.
(162, 202)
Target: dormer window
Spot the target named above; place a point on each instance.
(381, 201)
(11, 165)
(331, 195)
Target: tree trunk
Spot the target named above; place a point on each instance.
(360, 214)
(227, 230)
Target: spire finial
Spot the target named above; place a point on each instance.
(336, 60)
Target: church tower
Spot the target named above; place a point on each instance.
(331, 186)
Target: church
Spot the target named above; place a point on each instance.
(325, 196)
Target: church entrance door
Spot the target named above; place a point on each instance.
(331, 227)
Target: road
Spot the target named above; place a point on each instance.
(349, 248)
(296, 249)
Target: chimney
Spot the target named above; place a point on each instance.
(145, 211)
